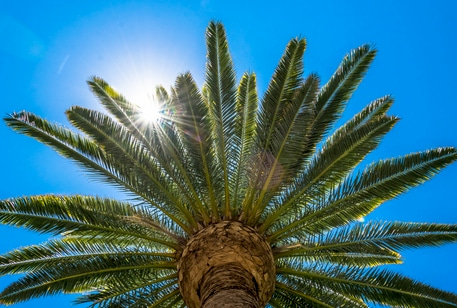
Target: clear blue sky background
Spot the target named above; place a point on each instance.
(48, 50)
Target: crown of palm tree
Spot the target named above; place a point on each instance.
(272, 170)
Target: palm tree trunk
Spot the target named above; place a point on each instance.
(229, 285)
(226, 264)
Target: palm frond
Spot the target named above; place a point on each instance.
(220, 84)
(289, 297)
(87, 153)
(114, 102)
(374, 109)
(57, 253)
(297, 145)
(288, 142)
(94, 216)
(373, 237)
(372, 285)
(286, 79)
(337, 91)
(275, 303)
(80, 277)
(357, 196)
(310, 294)
(127, 113)
(168, 299)
(131, 292)
(244, 136)
(341, 257)
(191, 121)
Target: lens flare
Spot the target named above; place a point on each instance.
(151, 111)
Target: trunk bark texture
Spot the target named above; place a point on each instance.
(226, 264)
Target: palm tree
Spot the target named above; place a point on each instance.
(235, 201)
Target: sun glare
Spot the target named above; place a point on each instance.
(150, 111)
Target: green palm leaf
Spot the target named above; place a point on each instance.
(221, 95)
(370, 244)
(337, 91)
(373, 285)
(286, 79)
(89, 215)
(244, 136)
(80, 278)
(289, 140)
(343, 257)
(195, 133)
(321, 297)
(358, 196)
(60, 252)
(131, 292)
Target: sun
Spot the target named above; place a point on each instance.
(151, 110)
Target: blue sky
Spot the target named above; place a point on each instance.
(48, 51)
